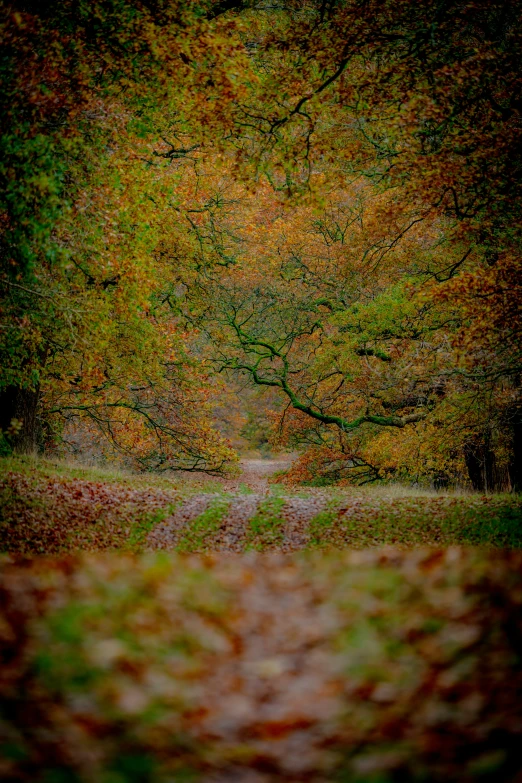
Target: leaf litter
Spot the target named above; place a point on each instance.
(380, 665)
(255, 659)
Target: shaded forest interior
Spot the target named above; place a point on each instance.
(319, 201)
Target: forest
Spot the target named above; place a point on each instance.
(260, 297)
(320, 199)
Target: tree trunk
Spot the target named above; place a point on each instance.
(20, 404)
(515, 463)
(474, 466)
(482, 465)
(490, 472)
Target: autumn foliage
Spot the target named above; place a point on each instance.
(322, 198)
(232, 227)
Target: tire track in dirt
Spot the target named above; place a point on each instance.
(234, 532)
(166, 535)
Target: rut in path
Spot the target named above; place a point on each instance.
(233, 532)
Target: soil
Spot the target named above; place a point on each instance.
(231, 536)
(256, 474)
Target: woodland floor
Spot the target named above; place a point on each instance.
(238, 654)
(53, 508)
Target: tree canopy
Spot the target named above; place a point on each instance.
(322, 198)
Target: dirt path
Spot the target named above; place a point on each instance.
(256, 473)
(372, 666)
(245, 517)
(51, 511)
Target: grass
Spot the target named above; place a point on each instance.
(53, 506)
(393, 490)
(267, 524)
(244, 489)
(138, 532)
(203, 526)
(475, 520)
(317, 527)
(70, 469)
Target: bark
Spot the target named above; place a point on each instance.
(474, 466)
(21, 404)
(515, 463)
(481, 464)
(490, 472)
(484, 471)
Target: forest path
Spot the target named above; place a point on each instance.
(256, 473)
(249, 512)
(55, 508)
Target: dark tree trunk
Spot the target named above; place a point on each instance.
(474, 466)
(482, 465)
(490, 472)
(20, 404)
(515, 463)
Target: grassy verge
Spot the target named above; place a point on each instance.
(48, 507)
(434, 521)
(37, 467)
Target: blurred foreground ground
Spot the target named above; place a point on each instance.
(377, 666)
(257, 658)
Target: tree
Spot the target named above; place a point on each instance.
(424, 97)
(92, 129)
(382, 144)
